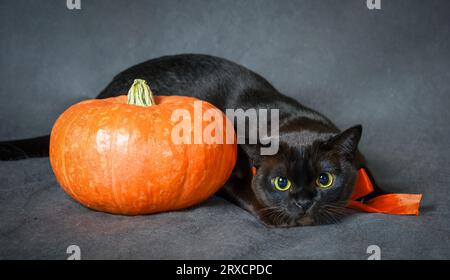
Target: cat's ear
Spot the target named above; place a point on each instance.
(347, 141)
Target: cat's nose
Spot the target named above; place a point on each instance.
(303, 205)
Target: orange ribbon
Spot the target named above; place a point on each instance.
(393, 203)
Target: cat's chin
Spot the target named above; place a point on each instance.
(305, 220)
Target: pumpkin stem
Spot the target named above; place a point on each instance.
(140, 94)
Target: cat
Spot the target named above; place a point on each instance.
(307, 182)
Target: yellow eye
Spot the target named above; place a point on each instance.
(281, 183)
(324, 180)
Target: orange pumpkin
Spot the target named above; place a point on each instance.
(114, 156)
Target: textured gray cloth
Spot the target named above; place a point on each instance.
(388, 70)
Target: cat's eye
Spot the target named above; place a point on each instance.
(324, 180)
(281, 183)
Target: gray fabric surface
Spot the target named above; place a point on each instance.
(388, 70)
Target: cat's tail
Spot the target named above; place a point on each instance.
(25, 148)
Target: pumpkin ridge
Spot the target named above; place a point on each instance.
(63, 150)
(116, 188)
(94, 127)
(186, 163)
(185, 152)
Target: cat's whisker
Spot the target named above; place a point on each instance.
(337, 211)
(334, 212)
(320, 217)
(279, 217)
(276, 213)
(268, 209)
(330, 218)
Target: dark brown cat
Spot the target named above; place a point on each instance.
(308, 180)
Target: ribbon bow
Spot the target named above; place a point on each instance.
(393, 203)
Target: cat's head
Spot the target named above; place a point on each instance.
(307, 183)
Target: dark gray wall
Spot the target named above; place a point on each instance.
(387, 69)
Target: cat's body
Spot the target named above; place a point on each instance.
(310, 145)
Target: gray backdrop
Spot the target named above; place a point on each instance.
(387, 69)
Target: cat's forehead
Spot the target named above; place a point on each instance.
(304, 139)
(304, 146)
(297, 157)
